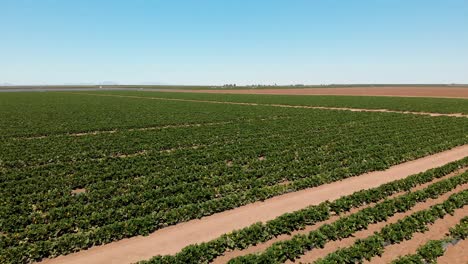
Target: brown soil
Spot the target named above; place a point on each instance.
(263, 246)
(436, 231)
(451, 92)
(172, 239)
(331, 247)
(78, 191)
(123, 156)
(457, 254)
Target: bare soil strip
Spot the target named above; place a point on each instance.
(263, 246)
(172, 239)
(115, 130)
(279, 105)
(331, 247)
(436, 231)
(97, 132)
(439, 92)
(456, 254)
(143, 152)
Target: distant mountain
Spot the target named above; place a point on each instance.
(6, 84)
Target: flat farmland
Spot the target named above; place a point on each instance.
(402, 104)
(355, 90)
(80, 171)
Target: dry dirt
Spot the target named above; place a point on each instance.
(455, 254)
(442, 91)
(78, 191)
(436, 231)
(263, 246)
(172, 239)
(331, 247)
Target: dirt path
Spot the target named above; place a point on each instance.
(276, 105)
(315, 254)
(263, 246)
(409, 91)
(457, 254)
(172, 239)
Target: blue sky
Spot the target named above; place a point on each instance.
(242, 41)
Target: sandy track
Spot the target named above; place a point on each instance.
(442, 91)
(455, 254)
(263, 246)
(277, 105)
(172, 239)
(332, 246)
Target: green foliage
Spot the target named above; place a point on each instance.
(413, 104)
(290, 222)
(146, 164)
(429, 252)
(460, 231)
(346, 226)
(399, 231)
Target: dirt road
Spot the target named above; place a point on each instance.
(172, 239)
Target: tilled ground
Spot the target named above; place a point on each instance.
(449, 92)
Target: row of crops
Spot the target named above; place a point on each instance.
(433, 249)
(381, 209)
(52, 113)
(80, 170)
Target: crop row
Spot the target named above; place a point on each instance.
(290, 222)
(429, 252)
(347, 225)
(42, 114)
(48, 150)
(365, 249)
(300, 125)
(137, 181)
(140, 179)
(161, 199)
(71, 149)
(65, 243)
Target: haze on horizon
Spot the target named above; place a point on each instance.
(243, 42)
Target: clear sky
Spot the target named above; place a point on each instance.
(233, 41)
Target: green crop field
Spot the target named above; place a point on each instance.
(416, 104)
(88, 168)
(346, 226)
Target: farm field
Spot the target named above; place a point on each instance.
(81, 169)
(396, 211)
(353, 90)
(411, 104)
